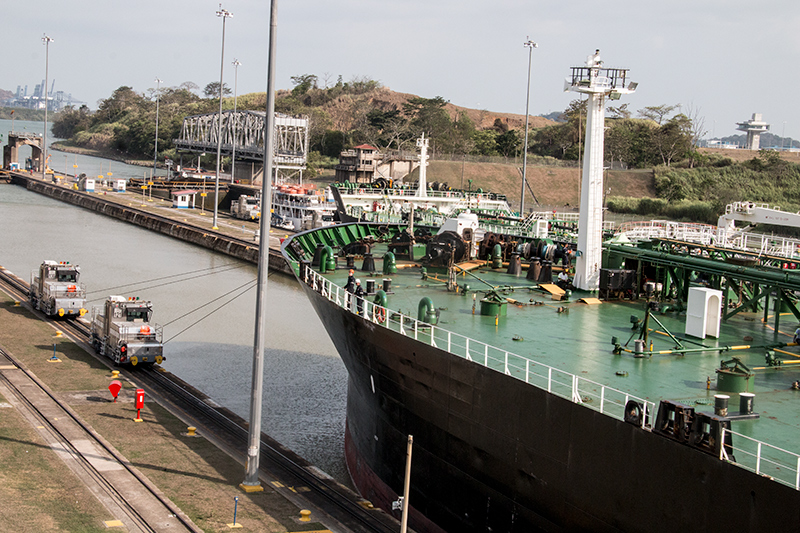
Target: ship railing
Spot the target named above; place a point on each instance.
(711, 235)
(667, 229)
(764, 459)
(588, 393)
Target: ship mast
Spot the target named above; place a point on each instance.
(422, 144)
(598, 83)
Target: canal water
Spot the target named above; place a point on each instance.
(206, 302)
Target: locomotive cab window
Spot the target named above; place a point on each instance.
(137, 314)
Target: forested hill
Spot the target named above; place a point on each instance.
(341, 116)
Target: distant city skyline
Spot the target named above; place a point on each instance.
(723, 61)
(34, 99)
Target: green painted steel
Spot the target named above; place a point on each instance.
(389, 263)
(426, 312)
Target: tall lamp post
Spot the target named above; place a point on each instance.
(530, 45)
(224, 14)
(783, 135)
(236, 64)
(46, 41)
(251, 482)
(155, 151)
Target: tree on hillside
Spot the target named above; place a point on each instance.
(509, 143)
(619, 112)
(459, 140)
(657, 113)
(562, 140)
(70, 121)
(122, 101)
(673, 140)
(387, 129)
(428, 115)
(212, 90)
(303, 83)
(629, 141)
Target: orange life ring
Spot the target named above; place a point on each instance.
(380, 314)
(71, 288)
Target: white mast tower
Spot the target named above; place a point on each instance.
(598, 83)
(422, 144)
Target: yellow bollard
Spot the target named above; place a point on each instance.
(190, 431)
(305, 515)
(114, 374)
(58, 333)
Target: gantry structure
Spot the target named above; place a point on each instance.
(246, 130)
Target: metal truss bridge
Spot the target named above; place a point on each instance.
(246, 128)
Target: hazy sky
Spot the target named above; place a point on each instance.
(727, 59)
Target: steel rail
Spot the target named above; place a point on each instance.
(103, 483)
(336, 500)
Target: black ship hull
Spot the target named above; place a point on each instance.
(492, 453)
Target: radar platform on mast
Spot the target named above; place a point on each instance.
(598, 83)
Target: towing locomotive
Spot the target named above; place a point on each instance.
(121, 330)
(55, 289)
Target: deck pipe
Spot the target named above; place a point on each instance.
(381, 298)
(389, 263)
(618, 349)
(426, 312)
(327, 261)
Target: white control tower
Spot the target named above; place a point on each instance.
(598, 83)
(754, 128)
(422, 144)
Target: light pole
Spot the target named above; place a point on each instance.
(783, 135)
(251, 482)
(224, 14)
(46, 41)
(236, 64)
(155, 151)
(530, 45)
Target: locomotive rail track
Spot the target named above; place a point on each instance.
(283, 470)
(89, 456)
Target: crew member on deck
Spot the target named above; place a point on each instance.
(563, 280)
(351, 282)
(359, 296)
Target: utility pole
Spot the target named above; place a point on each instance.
(224, 14)
(155, 151)
(530, 45)
(236, 64)
(251, 482)
(46, 41)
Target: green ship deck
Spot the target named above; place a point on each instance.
(565, 346)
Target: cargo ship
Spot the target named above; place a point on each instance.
(534, 413)
(656, 388)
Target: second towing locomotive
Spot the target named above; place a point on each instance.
(121, 330)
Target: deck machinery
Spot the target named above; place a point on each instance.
(55, 289)
(121, 330)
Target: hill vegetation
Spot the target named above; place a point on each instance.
(669, 176)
